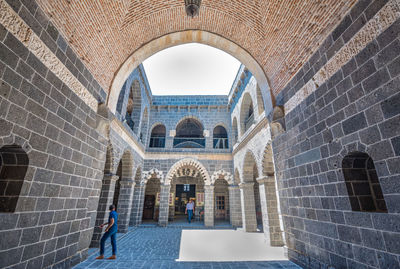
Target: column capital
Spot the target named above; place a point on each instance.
(266, 179)
(128, 182)
(244, 185)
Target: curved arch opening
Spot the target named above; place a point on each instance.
(184, 37)
(14, 163)
(189, 134)
(220, 138)
(362, 183)
(157, 136)
(246, 113)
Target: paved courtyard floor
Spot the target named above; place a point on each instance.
(156, 247)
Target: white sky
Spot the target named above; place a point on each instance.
(191, 69)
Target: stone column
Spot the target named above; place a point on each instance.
(235, 206)
(209, 206)
(106, 199)
(137, 205)
(269, 207)
(248, 207)
(125, 204)
(164, 205)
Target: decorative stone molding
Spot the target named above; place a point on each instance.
(152, 173)
(227, 176)
(191, 163)
(15, 25)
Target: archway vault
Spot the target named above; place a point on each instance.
(184, 37)
(191, 163)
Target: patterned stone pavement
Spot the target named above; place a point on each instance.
(157, 247)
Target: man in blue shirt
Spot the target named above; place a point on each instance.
(189, 210)
(111, 231)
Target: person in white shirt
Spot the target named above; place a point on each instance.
(189, 210)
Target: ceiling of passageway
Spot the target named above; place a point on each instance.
(280, 34)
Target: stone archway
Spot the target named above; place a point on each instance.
(249, 192)
(138, 199)
(222, 182)
(193, 168)
(126, 187)
(184, 37)
(106, 195)
(269, 200)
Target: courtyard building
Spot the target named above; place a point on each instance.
(305, 148)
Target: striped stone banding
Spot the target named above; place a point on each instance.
(15, 25)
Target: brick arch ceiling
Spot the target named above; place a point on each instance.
(280, 34)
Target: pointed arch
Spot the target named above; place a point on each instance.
(188, 162)
(250, 167)
(127, 164)
(246, 113)
(268, 168)
(222, 174)
(184, 37)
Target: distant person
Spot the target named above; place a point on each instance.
(189, 210)
(111, 231)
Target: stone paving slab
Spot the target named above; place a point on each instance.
(158, 248)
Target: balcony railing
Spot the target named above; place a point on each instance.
(157, 142)
(189, 142)
(248, 122)
(220, 143)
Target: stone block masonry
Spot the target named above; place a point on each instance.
(51, 122)
(351, 111)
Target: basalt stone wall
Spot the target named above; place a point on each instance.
(354, 112)
(47, 120)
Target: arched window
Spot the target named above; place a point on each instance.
(189, 134)
(13, 166)
(220, 138)
(157, 138)
(362, 183)
(246, 113)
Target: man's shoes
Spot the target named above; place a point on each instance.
(100, 257)
(113, 257)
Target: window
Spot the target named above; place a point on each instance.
(13, 166)
(362, 183)
(246, 113)
(157, 138)
(220, 138)
(189, 134)
(186, 187)
(220, 202)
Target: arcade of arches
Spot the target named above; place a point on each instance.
(305, 148)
